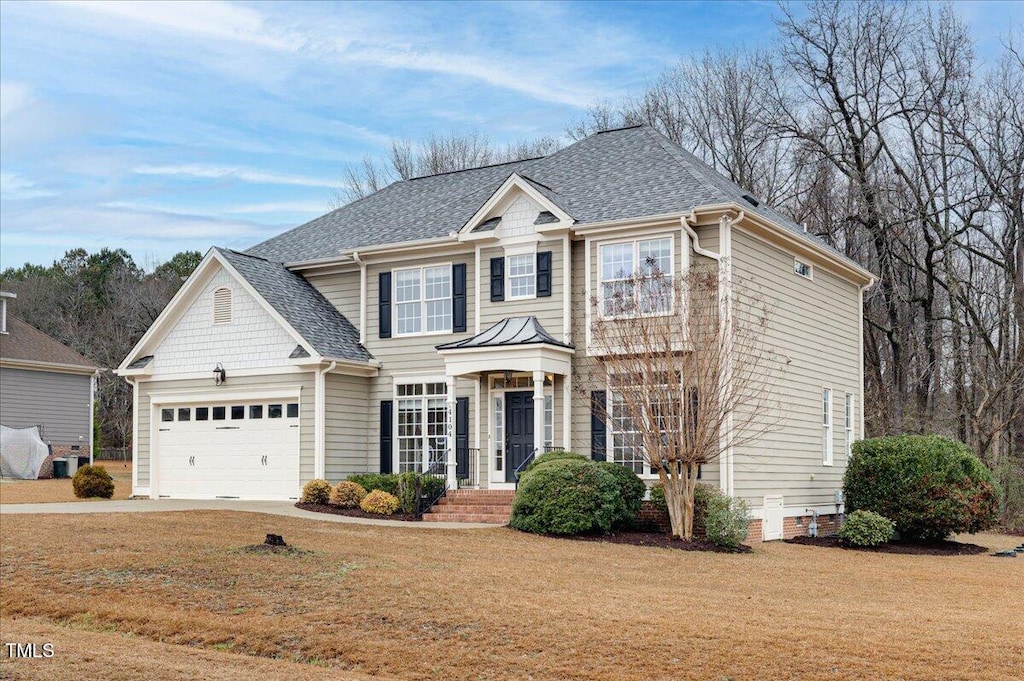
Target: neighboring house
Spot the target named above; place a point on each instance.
(444, 318)
(47, 384)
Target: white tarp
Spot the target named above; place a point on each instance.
(22, 452)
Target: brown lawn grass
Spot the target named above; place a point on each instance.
(59, 489)
(496, 604)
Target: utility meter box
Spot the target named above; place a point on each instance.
(839, 496)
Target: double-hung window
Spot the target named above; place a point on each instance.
(522, 276)
(636, 277)
(422, 425)
(662, 408)
(423, 300)
(826, 426)
(848, 414)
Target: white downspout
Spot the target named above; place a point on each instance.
(134, 383)
(320, 426)
(92, 416)
(860, 320)
(362, 296)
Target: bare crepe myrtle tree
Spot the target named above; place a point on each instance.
(689, 375)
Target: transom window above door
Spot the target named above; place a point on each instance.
(423, 300)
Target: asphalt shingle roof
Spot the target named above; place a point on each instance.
(27, 343)
(618, 174)
(301, 305)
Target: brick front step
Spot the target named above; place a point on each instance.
(473, 506)
(497, 509)
(497, 519)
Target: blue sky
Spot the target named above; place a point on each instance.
(162, 127)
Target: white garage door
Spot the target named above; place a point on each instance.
(245, 449)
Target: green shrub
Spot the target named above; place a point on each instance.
(703, 495)
(386, 482)
(93, 481)
(401, 485)
(571, 496)
(554, 455)
(631, 493)
(929, 486)
(348, 494)
(379, 502)
(726, 521)
(316, 492)
(867, 528)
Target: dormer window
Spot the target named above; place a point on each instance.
(222, 305)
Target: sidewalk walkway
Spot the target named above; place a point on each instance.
(285, 508)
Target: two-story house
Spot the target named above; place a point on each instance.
(440, 319)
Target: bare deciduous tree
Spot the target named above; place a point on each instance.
(689, 378)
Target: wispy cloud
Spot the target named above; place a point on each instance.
(219, 172)
(13, 187)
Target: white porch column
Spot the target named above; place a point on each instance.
(538, 412)
(451, 463)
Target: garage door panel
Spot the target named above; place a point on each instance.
(252, 457)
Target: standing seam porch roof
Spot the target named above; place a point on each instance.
(509, 332)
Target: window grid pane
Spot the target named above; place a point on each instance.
(499, 433)
(522, 279)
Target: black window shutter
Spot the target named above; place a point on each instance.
(598, 430)
(459, 298)
(462, 437)
(384, 305)
(497, 279)
(386, 423)
(544, 274)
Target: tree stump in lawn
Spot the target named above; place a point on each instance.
(275, 540)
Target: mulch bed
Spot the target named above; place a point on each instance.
(662, 540)
(354, 512)
(941, 548)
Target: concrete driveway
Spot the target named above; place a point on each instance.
(285, 508)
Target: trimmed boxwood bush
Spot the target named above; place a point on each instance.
(867, 528)
(387, 482)
(380, 502)
(930, 486)
(631, 493)
(348, 494)
(93, 481)
(554, 455)
(727, 521)
(391, 482)
(316, 492)
(570, 496)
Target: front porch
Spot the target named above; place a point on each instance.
(523, 384)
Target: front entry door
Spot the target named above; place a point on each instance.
(519, 433)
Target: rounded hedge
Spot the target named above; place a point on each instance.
(631, 493)
(867, 528)
(568, 496)
(380, 502)
(554, 455)
(93, 481)
(347, 494)
(929, 486)
(316, 491)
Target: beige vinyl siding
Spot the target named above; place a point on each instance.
(412, 357)
(585, 369)
(814, 325)
(341, 289)
(271, 381)
(57, 402)
(549, 310)
(346, 422)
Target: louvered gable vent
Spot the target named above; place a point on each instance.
(222, 306)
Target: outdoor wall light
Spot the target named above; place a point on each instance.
(508, 377)
(219, 375)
